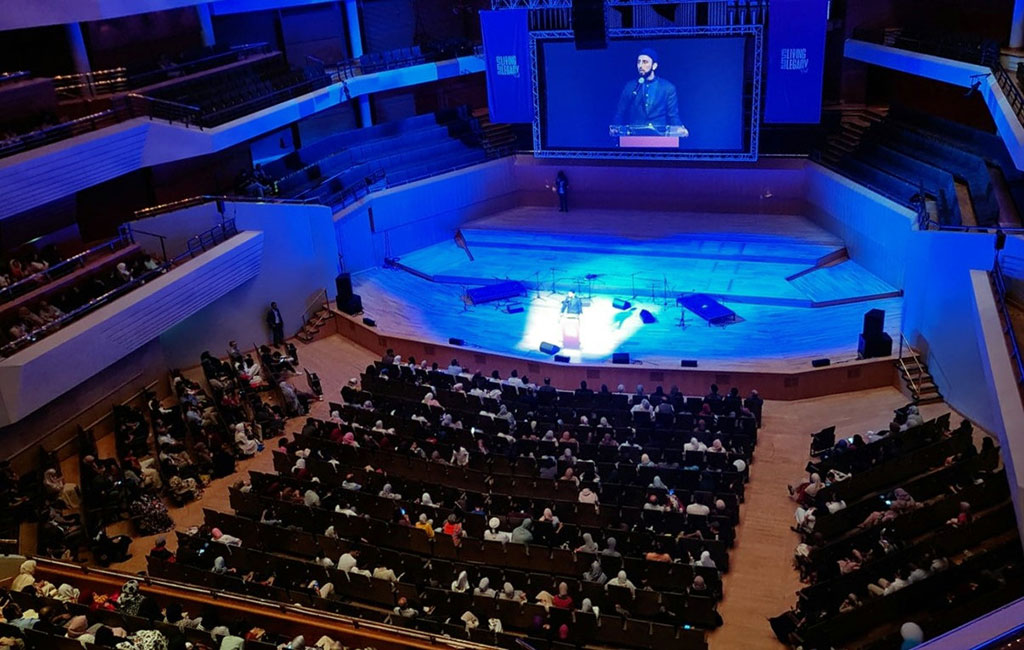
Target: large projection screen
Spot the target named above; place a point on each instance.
(702, 101)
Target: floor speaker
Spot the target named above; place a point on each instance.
(352, 305)
(561, 358)
(369, 322)
(647, 317)
(688, 363)
(620, 357)
(821, 363)
(619, 303)
(344, 285)
(872, 347)
(549, 348)
(588, 25)
(874, 322)
(454, 341)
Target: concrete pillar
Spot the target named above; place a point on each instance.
(79, 55)
(205, 25)
(355, 42)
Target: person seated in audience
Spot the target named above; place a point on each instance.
(17, 330)
(55, 488)
(643, 406)
(216, 535)
(621, 580)
(964, 518)
(523, 534)
(246, 445)
(885, 587)
(31, 320)
(658, 554)
(850, 603)
(484, 589)
(49, 313)
(160, 550)
(562, 600)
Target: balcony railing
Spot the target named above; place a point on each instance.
(195, 245)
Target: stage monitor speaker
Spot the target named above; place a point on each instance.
(369, 322)
(620, 357)
(647, 317)
(352, 305)
(514, 309)
(871, 347)
(619, 303)
(549, 348)
(454, 341)
(588, 24)
(821, 363)
(688, 363)
(344, 284)
(874, 322)
(559, 358)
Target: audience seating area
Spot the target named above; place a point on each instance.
(387, 154)
(75, 609)
(906, 154)
(622, 489)
(915, 525)
(229, 92)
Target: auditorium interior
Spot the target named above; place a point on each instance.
(527, 324)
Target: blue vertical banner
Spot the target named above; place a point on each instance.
(796, 61)
(507, 51)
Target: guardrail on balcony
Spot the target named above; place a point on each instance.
(195, 245)
(999, 284)
(32, 282)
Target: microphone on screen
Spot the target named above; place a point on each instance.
(639, 83)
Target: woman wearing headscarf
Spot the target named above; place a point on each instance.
(388, 493)
(587, 495)
(588, 608)
(220, 566)
(183, 489)
(523, 533)
(595, 574)
(311, 499)
(425, 524)
(508, 592)
(902, 502)
(67, 594)
(657, 484)
(589, 545)
(484, 589)
(460, 457)
(493, 534)
(609, 549)
(461, 584)
(621, 580)
(705, 560)
(695, 445)
(246, 446)
(25, 577)
(716, 447)
(429, 400)
(130, 598)
(56, 488)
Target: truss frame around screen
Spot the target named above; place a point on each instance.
(750, 155)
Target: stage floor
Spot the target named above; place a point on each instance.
(649, 259)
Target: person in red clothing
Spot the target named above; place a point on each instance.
(563, 600)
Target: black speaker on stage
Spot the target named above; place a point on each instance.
(352, 305)
(647, 317)
(874, 322)
(344, 284)
(561, 359)
(369, 322)
(454, 341)
(870, 347)
(514, 309)
(620, 357)
(588, 26)
(688, 363)
(821, 363)
(619, 303)
(549, 348)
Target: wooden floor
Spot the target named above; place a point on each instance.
(766, 337)
(761, 583)
(795, 295)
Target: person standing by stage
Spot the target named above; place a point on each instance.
(276, 324)
(562, 189)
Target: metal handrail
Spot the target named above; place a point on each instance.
(999, 282)
(35, 279)
(236, 52)
(71, 128)
(226, 229)
(180, 204)
(906, 372)
(109, 81)
(1010, 90)
(315, 304)
(13, 76)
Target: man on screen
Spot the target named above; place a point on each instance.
(649, 100)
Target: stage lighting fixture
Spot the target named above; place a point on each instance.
(619, 303)
(549, 348)
(647, 317)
